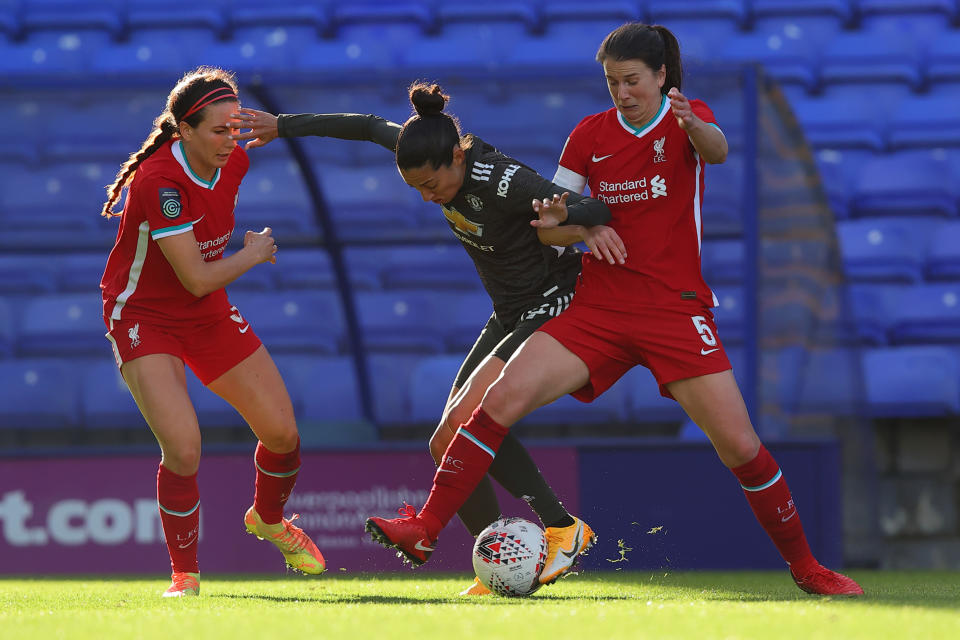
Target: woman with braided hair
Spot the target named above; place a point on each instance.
(164, 305)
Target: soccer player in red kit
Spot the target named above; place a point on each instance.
(645, 159)
(164, 305)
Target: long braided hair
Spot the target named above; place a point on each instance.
(182, 106)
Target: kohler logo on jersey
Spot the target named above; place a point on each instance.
(632, 190)
(505, 180)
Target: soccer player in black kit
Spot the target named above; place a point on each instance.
(493, 205)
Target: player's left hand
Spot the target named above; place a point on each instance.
(262, 127)
(681, 108)
(551, 212)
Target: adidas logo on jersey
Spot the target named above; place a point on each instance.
(481, 171)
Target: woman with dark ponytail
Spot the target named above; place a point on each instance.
(645, 158)
(498, 209)
(164, 305)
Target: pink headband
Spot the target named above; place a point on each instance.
(202, 102)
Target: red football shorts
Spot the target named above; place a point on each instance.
(210, 350)
(674, 343)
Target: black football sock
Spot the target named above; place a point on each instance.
(516, 472)
(481, 508)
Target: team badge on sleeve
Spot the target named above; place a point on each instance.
(170, 202)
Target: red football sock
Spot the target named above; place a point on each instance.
(770, 499)
(179, 500)
(465, 462)
(276, 475)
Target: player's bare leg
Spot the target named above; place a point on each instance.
(714, 403)
(256, 390)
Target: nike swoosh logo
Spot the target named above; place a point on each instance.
(705, 352)
(596, 159)
(244, 329)
(419, 546)
(184, 546)
(788, 517)
(576, 544)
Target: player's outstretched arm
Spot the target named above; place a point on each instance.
(265, 127)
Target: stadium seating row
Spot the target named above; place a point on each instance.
(409, 389)
(809, 43)
(421, 321)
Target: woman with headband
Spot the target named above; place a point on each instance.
(164, 305)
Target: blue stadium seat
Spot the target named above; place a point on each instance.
(786, 59)
(906, 183)
(400, 321)
(63, 16)
(927, 314)
(62, 325)
(943, 58)
(38, 394)
(581, 27)
(824, 381)
(911, 381)
(436, 266)
(943, 253)
(729, 314)
(643, 400)
(812, 18)
(839, 170)
(885, 249)
(293, 321)
(464, 315)
(871, 308)
(723, 197)
(106, 402)
(273, 194)
(46, 198)
(389, 376)
(7, 336)
(430, 385)
(860, 57)
(80, 272)
(722, 261)
(370, 202)
(838, 122)
(926, 121)
(306, 269)
(493, 28)
(699, 24)
(396, 25)
(919, 20)
(26, 273)
(326, 389)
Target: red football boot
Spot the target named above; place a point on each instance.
(823, 581)
(408, 535)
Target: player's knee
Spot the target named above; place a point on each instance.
(283, 440)
(182, 458)
(740, 452)
(503, 400)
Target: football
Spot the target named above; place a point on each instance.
(509, 555)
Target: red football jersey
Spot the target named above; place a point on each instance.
(166, 198)
(651, 177)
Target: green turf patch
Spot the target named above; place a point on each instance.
(425, 606)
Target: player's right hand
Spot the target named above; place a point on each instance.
(605, 244)
(262, 127)
(262, 244)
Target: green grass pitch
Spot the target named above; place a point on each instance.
(425, 606)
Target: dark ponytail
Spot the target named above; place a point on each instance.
(189, 93)
(655, 45)
(429, 136)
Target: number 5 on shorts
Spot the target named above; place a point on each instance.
(704, 330)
